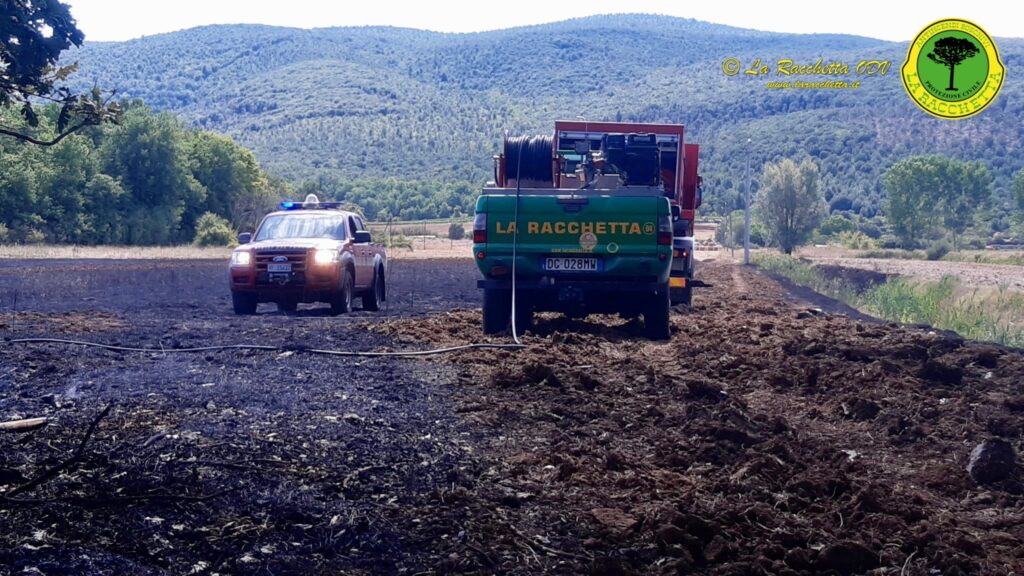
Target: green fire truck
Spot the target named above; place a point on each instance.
(597, 218)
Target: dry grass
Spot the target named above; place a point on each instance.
(433, 248)
(65, 252)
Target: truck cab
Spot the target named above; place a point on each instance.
(308, 252)
(583, 222)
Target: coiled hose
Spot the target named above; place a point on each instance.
(531, 156)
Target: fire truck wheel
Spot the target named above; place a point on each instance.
(497, 310)
(656, 315)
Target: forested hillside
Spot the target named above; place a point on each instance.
(346, 105)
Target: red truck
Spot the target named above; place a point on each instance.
(308, 251)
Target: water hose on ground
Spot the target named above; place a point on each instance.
(266, 348)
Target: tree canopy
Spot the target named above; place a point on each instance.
(790, 204)
(33, 34)
(145, 181)
(928, 191)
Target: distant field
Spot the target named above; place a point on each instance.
(61, 252)
(422, 248)
(427, 239)
(974, 268)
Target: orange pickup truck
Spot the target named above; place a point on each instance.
(308, 251)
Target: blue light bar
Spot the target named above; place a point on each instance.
(292, 205)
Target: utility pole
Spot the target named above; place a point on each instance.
(746, 213)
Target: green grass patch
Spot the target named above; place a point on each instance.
(805, 274)
(981, 257)
(893, 254)
(1010, 259)
(995, 316)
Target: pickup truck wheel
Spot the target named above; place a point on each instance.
(342, 301)
(656, 315)
(244, 303)
(497, 310)
(524, 313)
(288, 306)
(375, 295)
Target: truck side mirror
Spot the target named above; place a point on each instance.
(700, 191)
(363, 237)
(245, 237)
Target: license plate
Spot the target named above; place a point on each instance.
(279, 268)
(572, 264)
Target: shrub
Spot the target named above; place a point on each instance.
(456, 231)
(889, 242)
(31, 235)
(212, 230)
(398, 241)
(973, 243)
(836, 225)
(893, 254)
(856, 240)
(937, 250)
(5, 234)
(415, 230)
(870, 229)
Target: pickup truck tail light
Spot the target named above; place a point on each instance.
(664, 230)
(480, 229)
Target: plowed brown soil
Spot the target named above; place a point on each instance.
(764, 438)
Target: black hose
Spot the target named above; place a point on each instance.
(265, 348)
(536, 161)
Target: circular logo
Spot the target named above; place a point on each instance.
(648, 228)
(953, 69)
(588, 240)
(612, 247)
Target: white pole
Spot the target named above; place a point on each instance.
(746, 212)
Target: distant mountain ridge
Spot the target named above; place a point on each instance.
(376, 102)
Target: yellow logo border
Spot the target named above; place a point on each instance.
(979, 101)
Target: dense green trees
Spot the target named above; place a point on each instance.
(790, 204)
(145, 181)
(1018, 188)
(934, 194)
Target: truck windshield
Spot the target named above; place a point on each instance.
(302, 226)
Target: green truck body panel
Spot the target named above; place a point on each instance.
(620, 231)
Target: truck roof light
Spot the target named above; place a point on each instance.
(311, 202)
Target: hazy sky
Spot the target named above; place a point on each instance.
(889, 20)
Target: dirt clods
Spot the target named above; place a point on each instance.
(848, 558)
(991, 461)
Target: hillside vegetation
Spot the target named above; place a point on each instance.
(349, 105)
(147, 180)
